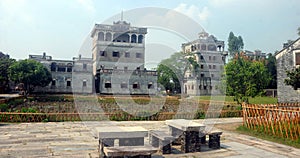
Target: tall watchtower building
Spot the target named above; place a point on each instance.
(209, 53)
(118, 46)
(119, 58)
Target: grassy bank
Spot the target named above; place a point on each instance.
(229, 99)
(255, 133)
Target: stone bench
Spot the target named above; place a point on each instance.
(119, 141)
(162, 140)
(130, 151)
(213, 139)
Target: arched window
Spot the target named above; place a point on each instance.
(53, 66)
(133, 38)
(150, 85)
(212, 47)
(140, 39)
(203, 47)
(69, 67)
(108, 36)
(101, 36)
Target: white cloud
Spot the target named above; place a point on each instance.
(88, 5)
(193, 12)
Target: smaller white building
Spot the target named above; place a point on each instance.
(68, 76)
(210, 55)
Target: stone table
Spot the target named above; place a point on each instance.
(188, 133)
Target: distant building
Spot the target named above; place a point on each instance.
(287, 59)
(257, 54)
(119, 58)
(210, 55)
(116, 66)
(2, 55)
(68, 76)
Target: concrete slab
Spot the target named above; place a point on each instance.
(76, 139)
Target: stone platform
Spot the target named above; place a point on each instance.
(77, 139)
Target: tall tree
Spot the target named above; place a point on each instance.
(245, 78)
(271, 68)
(293, 78)
(29, 72)
(235, 44)
(5, 63)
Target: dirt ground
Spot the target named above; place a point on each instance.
(228, 127)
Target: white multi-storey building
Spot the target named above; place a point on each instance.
(210, 55)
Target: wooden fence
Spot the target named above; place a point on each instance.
(282, 120)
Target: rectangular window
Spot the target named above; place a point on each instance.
(107, 85)
(115, 54)
(102, 53)
(297, 58)
(202, 75)
(61, 69)
(202, 66)
(124, 85)
(212, 75)
(84, 66)
(209, 66)
(200, 86)
(201, 57)
(53, 83)
(68, 83)
(84, 84)
(204, 87)
(138, 55)
(214, 67)
(136, 86)
(125, 68)
(127, 55)
(209, 58)
(214, 57)
(69, 69)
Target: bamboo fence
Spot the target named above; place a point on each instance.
(281, 120)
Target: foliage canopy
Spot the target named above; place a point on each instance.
(245, 78)
(293, 78)
(29, 72)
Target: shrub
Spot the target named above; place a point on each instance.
(3, 107)
(28, 110)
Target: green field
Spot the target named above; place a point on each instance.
(256, 100)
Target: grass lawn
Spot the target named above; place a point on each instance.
(244, 130)
(256, 100)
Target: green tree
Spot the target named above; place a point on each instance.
(171, 71)
(299, 31)
(271, 68)
(245, 78)
(31, 73)
(235, 44)
(293, 78)
(5, 62)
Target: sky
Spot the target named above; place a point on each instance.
(62, 28)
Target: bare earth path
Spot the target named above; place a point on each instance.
(77, 139)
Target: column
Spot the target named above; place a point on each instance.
(129, 37)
